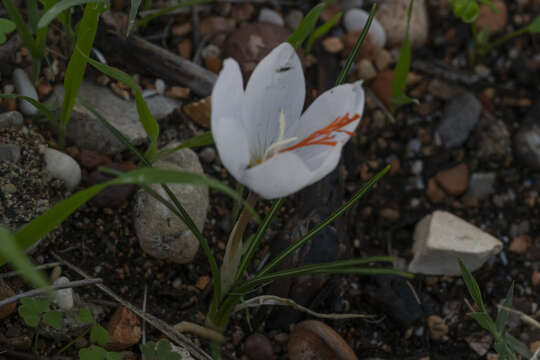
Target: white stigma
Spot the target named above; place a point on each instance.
(280, 142)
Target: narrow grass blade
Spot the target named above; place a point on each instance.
(534, 26)
(32, 13)
(134, 8)
(472, 286)
(145, 20)
(10, 251)
(41, 107)
(325, 223)
(76, 68)
(60, 7)
(517, 346)
(203, 139)
(484, 320)
(22, 28)
(502, 315)
(322, 30)
(306, 26)
(148, 121)
(350, 59)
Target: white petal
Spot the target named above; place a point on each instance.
(228, 92)
(347, 98)
(231, 142)
(323, 164)
(277, 83)
(279, 176)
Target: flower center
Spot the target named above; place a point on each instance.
(326, 135)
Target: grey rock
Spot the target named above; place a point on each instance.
(527, 139)
(11, 119)
(63, 167)
(523, 227)
(87, 132)
(293, 19)
(160, 86)
(392, 15)
(162, 106)
(355, 19)
(161, 234)
(63, 298)
(440, 239)
(491, 140)
(460, 116)
(25, 87)
(10, 152)
(481, 184)
(208, 155)
(271, 16)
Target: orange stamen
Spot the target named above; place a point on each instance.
(325, 135)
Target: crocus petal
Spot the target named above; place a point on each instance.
(277, 177)
(232, 145)
(228, 92)
(347, 98)
(276, 84)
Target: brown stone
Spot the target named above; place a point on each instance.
(383, 58)
(535, 278)
(520, 244)
(124, 330)
(202, 282)
(492, 21)
(332, 45)
(390, 214)
(454, 181)
(251, 43)
(178, 92)
(534, 346)
(437, 328)
(92, 159)
(213, 64)
(434, 192)
(44, 90)
(243, 12)
(199, 112)
(184, 48)
(382, 87)
(6, 292)
(181, 29)
(258, 347)
(330, 11)
(369, 47)
(217, 24)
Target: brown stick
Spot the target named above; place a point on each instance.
(158, 61)
(159, 324)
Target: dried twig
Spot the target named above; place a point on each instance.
(201, 331)
(379, 103)
(279, 301)
(39, 267)
(42, 290)
(159, 324)
(522, 316)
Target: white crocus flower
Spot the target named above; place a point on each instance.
(263, 139)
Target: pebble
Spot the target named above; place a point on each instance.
(162, 106)
(55, 274)
(492, 21)
(25, 87)
(6, 292)
(390, 214)
(333, 45)
(293, 19)
(454, 181)
(481, 184)
(216, 24)
(63, 167)
(178, 92)
(441, 238)
(355, 19)
(393, 18)
(435, 194)
(184, 48)
(527, 140)
(258, 347)
(161, 233)
(520, 244)
(535, 279)
(199, 112)
(243, 12)
(11, 119)
(383, 58)
(479, 342)
(111, 196)
(382, 87)
(460, 116)
(124, 330)
(271, 16)
(365, 70)
(491, 140)
(208, 155)
(63, 298)
(314, 340)
(91, 159)
(10, 152)
(438, 329)
(160, 86)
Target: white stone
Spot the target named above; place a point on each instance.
(355, 19)
(271, 16)
(63, 167)
(160, 86)
(392, 15)
(25, 87)
(441, 238)
(161, 233)
(64, 297)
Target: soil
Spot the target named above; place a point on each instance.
(102, 241)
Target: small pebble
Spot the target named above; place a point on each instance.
(25, 87)
(270, 16)
(64, 297)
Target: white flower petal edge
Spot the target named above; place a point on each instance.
(277, 84)
(228, 92)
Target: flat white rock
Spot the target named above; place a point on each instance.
(63, 167)
(270, 16)
(441, 238)
(355, 19)
(25, 87)
(64, 297)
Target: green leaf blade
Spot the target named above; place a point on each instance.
(54, 319)
(99, 335)
(472, 286)
(534, 26)
(306, 26)
(58, 8)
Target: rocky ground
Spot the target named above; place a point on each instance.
(464, 182)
